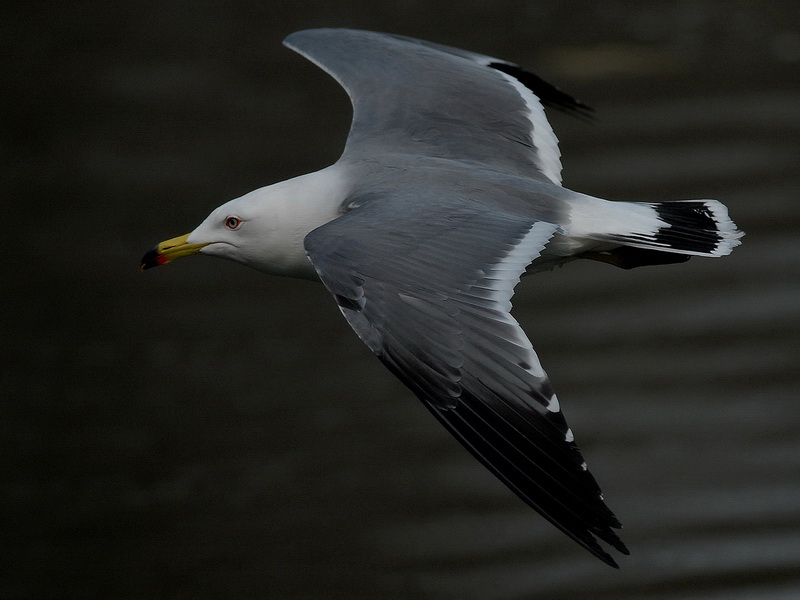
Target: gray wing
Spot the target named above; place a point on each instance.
(427, 286)
(414, 97)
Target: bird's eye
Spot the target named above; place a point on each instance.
(233, 222)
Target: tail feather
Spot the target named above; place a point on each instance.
(688, 227)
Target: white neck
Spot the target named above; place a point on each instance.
(282, 215)
(301, 205)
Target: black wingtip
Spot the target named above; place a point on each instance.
(612, 563)
(620, 546)
(606, 558)
(610, 538)
(489, 438)
(549, 95)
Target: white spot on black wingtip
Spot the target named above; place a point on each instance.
(553, 405)
(569, 437)
(584, 466)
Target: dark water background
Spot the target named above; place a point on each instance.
(204, 431)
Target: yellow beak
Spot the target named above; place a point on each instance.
(168, 251)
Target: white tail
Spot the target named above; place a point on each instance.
(688, 227)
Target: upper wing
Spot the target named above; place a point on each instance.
(416, 97)
(427, 286)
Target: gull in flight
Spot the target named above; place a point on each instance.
(447, 192)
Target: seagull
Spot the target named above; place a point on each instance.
(447, 192)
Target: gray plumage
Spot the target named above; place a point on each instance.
(448, 190)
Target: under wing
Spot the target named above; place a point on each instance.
(427, 286)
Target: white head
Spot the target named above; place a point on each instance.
(264, 229)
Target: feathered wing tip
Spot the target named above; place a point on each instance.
(574, 506)
(548, 94)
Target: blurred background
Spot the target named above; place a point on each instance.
(205, 431)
